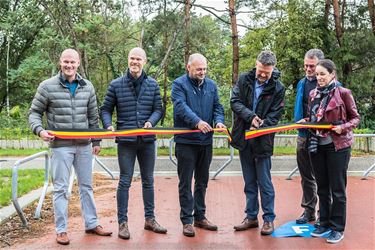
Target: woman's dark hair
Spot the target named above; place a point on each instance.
(327, 64)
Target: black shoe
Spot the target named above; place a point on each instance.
(305, 218)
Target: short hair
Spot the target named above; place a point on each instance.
(196, 56)
(71, 52)
(267, 57)
(314, 53)
(138, 51)
(328, 65)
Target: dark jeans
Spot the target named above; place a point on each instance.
(193, 159)
(330, 167)
(308, 182)
(145, 153)
(257, 174)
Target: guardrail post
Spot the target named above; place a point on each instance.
(292, 173)
(15, 185)
(225, 164)
(45, 186)
(102, 165)
(367, 172)
(14, 195)
(171, 141)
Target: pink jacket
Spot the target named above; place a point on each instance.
(341, 107)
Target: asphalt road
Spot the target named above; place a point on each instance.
(281, 165)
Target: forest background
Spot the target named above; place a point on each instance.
(33, 33)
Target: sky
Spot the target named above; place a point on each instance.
(242, 18)
(221, 5)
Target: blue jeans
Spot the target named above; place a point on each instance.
(145, 154)
(257, 175)
(62, 159)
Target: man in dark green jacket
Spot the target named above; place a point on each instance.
(69, 102)
(257, 101)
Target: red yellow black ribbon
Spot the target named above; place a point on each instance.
(103, 133)
(284, 127)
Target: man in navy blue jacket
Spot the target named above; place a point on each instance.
(308, 182)
(136, 98)
(196, 106)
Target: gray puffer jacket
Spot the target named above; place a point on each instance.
(63, 110)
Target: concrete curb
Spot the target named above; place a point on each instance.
(24, 201)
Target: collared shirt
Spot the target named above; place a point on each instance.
(71, 86)
(258, 90)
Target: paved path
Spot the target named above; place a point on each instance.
(225, 204)
(281, 165)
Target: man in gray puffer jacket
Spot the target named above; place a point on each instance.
(69, 102)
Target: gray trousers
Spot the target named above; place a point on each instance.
(308, 182)
(62, 160)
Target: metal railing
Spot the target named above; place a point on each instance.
(221, 168)
(365, 173)
(15, 185)
(73, 176)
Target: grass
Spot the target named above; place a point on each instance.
(28, 179)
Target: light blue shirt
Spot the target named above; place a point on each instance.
(258, 90)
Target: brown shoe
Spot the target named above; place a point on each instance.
(98, 230)
(188, 230)
(123, 231)
(246, 224)
(205, 224)
(153, 225)
(62, 239)
(267, 228)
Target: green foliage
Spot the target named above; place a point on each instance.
(104, 32)
(28, 180)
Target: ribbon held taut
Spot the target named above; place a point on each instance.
(249, 134)
(104, 134)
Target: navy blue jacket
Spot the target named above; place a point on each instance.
(132, 112)
(192, 104)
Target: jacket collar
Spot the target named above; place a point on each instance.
(79, 79)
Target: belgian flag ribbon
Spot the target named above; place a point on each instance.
(103, 133)
(249, 134)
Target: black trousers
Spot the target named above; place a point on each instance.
(308, 182)
(193, 159)
(330, 167)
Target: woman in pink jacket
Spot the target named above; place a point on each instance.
(330, 150)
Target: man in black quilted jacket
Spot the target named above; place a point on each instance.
(69, 102)
(136, 98)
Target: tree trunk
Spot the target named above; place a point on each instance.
(338, 23)
(371, 9)
(187, 24)
(235, 55)
(327, 6)
(339, 28)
